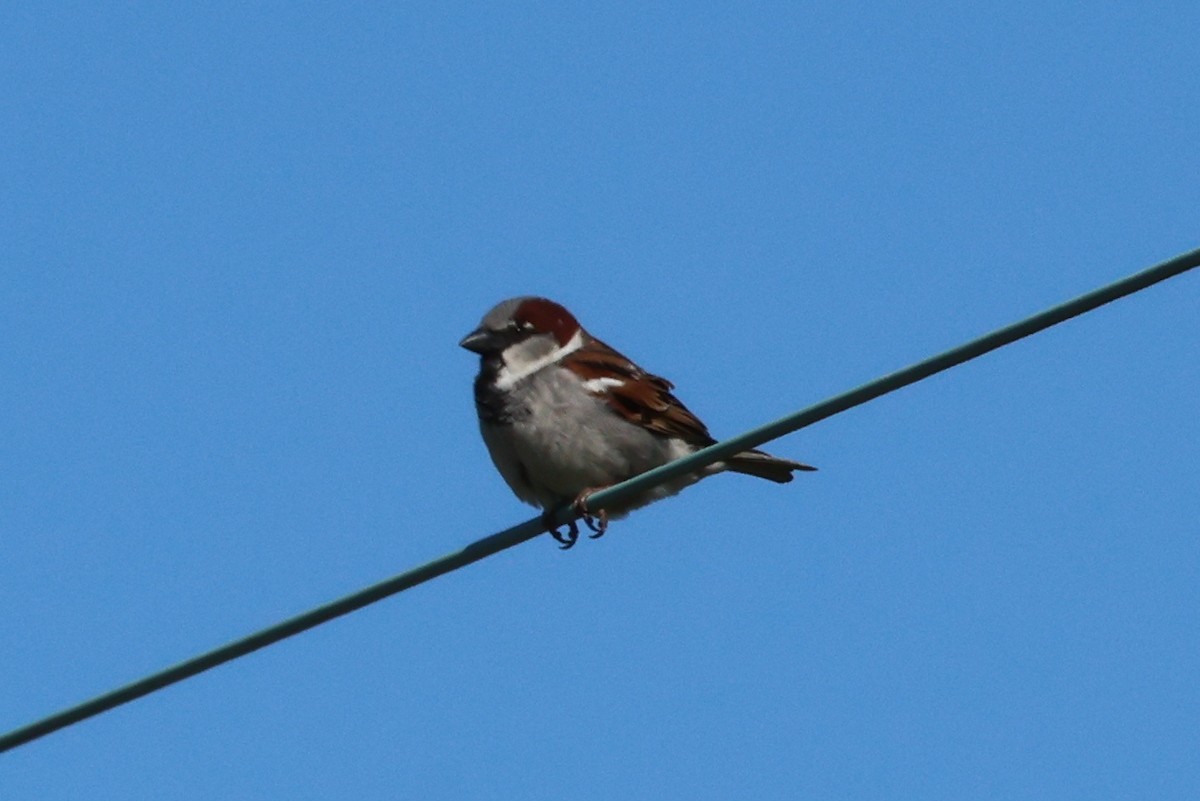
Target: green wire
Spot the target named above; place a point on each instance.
(613, 495)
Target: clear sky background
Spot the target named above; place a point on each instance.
(239, 246)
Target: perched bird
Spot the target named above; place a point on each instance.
(563, 415)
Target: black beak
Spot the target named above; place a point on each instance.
(481, 341)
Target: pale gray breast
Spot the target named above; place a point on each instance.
(577, 435)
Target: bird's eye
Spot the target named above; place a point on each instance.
(526, 326)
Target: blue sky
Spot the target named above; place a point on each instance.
(240, 244)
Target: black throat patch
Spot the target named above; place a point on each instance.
(493, 404)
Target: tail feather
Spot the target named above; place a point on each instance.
(764, 465)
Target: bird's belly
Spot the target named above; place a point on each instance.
(570, 442)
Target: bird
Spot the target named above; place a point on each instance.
(564, 415)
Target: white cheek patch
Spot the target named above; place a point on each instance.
(598, 385)
(511, 373)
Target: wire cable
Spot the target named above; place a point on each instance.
(613, 495)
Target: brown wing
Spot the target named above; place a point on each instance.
(636, 395)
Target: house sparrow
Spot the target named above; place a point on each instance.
(563, 415)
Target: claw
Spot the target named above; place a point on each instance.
(598, 522)
(567, 538)
(600, 527)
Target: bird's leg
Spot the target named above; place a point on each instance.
(566, 539)
(596, 522)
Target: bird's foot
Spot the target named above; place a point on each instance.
(565, 539)
(598, 522)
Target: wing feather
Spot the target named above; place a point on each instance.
(638, 396)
